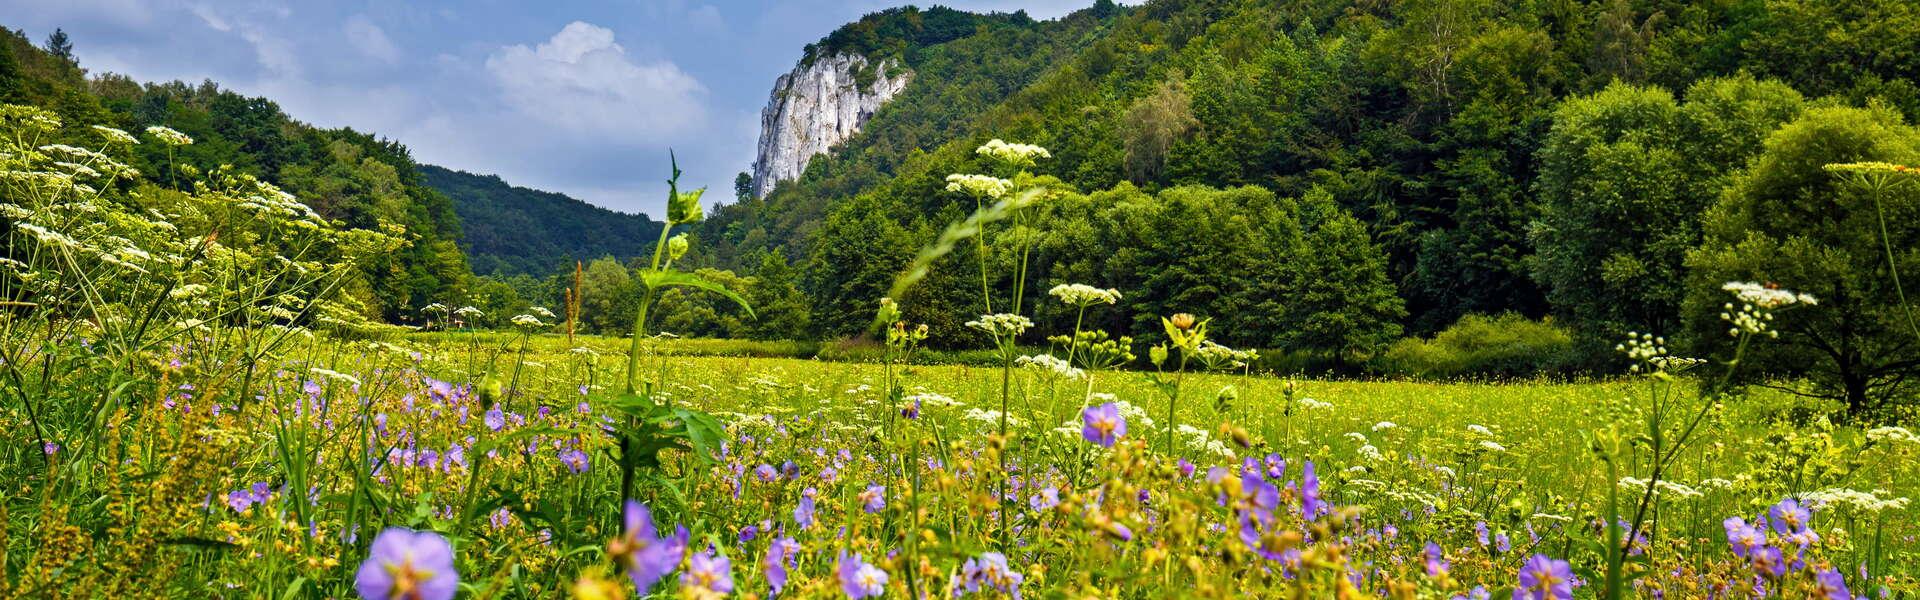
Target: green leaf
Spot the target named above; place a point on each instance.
(664, 279)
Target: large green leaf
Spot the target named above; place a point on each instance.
(665, 279)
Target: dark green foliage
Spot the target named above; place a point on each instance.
(1508, 345)
(509, 230)
(1438, 126)
(1789, 221)
(1625, 175)
(361, 180)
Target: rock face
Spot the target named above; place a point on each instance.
(816, 106)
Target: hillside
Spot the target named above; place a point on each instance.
(1428, 122)
(510, 230)
(358, 179)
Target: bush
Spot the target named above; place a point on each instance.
(1506, 346)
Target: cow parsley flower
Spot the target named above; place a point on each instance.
(168, 136)
(1083, 295)
(979, 186)
(1002, 325)
(1016, 155)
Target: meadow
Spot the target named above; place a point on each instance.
(817, 469)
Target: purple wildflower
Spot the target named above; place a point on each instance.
(1789, 517)
(1436, 560)
(1831, 585)
(989, 570)
(496, 419)
(647, 556)
(1311, 506)
(874, 499)
(709, 571)
(1045, 499)
(859, 579)
(783, 554)
(1768, 562)
(1743, 537)
(575, 460)
(803, 513)
(410, 565)
(1104, 425)
(1544, 578)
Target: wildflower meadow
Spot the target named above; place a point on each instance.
(191, 410)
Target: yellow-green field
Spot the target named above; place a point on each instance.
(816, 485)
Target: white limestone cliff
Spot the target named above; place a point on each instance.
(815, 107)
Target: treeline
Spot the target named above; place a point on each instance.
(359, 180)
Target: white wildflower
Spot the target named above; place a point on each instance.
(527, 321)
(1383, 426)
(1018, 155)
(1050, 363)
(1892, 434)
(1083, 295)
(1766, 297)
(335, 375)
(979, 186)
(1002, 324)
(115, 135)
(168, 136)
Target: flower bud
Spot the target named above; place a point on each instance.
(677, 247)
(684, 207)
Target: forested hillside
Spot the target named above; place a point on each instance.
(509, 230)
(358, 179)
(1550, 158)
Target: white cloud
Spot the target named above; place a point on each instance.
(370, 40)
(584, 82)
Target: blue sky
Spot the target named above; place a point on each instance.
(577, 97)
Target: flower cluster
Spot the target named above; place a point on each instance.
(1003, 326)
(1017, 155)
(979, 186)
(1083, 295)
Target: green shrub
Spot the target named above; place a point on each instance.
(1505, 346)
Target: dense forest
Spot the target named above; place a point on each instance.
(508, 230)
(1553, 159)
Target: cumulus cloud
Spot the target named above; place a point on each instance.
(584, 82)
(370, 40)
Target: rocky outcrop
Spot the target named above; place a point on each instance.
(816, 106)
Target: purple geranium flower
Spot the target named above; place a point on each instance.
(646, 556)
(1543, 578)
(1789, 517)
(1831, 585)
(410, 565)
(1743, 537)
(710, 572)
(990, 570)
(783, 554)
(874, 498)
(1311, 506)
(803, 513)
(1104, 425)
(859, 579)
(1768, 562)
(1436, 560)
(496, 419)
(575, 460)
